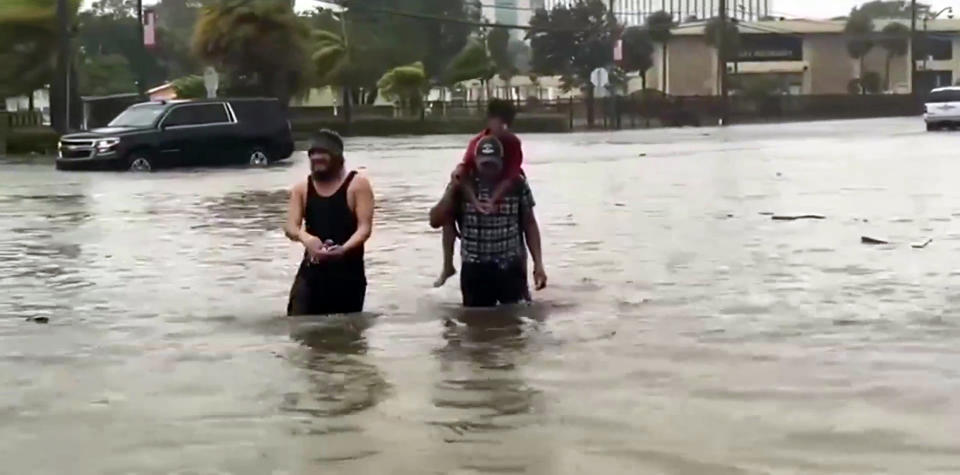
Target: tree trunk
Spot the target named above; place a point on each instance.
(886, 78)
(590, 103)
(643, 96)
(663, 86)
(60, 92)
(863, 87)
(347, 105)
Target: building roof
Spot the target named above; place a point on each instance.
(161, 87)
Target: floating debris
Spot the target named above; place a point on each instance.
(870, 240)
(794, 218)
(921, 245)
(40, 320)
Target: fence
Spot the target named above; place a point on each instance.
(99, 111)
(19, 119)
(647, 109)
(699, 110)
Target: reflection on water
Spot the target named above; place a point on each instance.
(684, 331)
(341, 383)
(481, 392)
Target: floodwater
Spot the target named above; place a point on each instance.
(684, 331)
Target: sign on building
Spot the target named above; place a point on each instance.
(770, 48)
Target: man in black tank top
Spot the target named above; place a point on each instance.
(331, 214)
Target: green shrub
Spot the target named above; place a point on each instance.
(28, 140)
(190, 87)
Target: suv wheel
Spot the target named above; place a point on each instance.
(140, 163)
(257, 157)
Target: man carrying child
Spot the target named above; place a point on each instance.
(500, 116)
(490, 200)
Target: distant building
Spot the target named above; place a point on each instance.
(41, 103)
(804, 57)
(635, 12)
(510, 12)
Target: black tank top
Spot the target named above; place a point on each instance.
(330, 218)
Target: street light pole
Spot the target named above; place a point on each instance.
(61, 95)
(141, 87)
(722, 61)
(913, 48)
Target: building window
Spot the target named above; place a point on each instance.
(938, 48)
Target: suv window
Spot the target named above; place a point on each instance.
(949, 95)
(267, 113)
(199, 114)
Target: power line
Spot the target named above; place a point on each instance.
(759, 28)
(460, 21)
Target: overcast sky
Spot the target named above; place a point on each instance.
(787, 8)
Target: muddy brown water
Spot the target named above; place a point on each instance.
(684, 330)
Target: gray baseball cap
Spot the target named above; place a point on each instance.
(327, 141)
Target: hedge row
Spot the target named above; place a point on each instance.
(22, 141)
(380, 127)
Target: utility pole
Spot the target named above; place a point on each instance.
(141, 86)
(60, 104)
(615, 114)
(913, 49)
(722, 61)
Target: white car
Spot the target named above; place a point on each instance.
(942, 108)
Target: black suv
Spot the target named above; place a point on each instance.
(183, 133)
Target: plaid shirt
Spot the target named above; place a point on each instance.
(495, 237)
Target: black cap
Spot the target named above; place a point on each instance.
(489, 146)
(489, 152)
(327, 141)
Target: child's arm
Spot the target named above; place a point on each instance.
(505, 185)
(469, 190)
(512, 168)
(459, 173)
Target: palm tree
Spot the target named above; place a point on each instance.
(406, 85)
(729, 35)
(28, 44)
(472, 62)
(29, 51)
(331, 60)
(260, 44)
(660, 26)
(859, 29)
(895, 41)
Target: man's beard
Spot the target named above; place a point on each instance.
(331, 173)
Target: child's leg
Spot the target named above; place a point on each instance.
(449, 238)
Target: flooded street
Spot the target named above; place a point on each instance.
(684, 331)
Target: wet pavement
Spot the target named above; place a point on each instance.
(684, 332)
